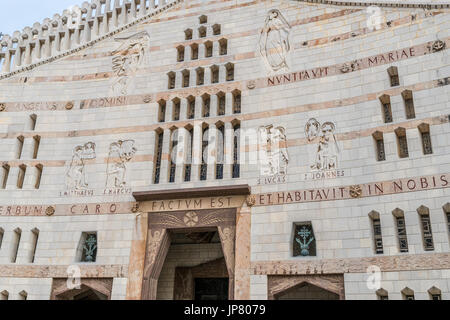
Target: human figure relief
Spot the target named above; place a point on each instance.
(120, 153)
(274, 158)
(328, 148)
(76, 174)
(274, 40)
(128, 58)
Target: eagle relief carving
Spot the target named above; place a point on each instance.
(127, 59)
(327, 151)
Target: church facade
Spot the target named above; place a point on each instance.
(222, 149)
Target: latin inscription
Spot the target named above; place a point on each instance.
(342, 193)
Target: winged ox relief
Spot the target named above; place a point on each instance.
(127, 59)
(120, 153)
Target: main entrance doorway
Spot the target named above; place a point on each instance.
(190, 255)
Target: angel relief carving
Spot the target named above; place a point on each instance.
(76, 173)
(274, 43)
(127, 59)
(273, 155)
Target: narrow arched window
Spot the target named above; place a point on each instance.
(400, 224)
(206, 106)
(402, 143)
(409, 104)
(202, 32)
(17, 234)
(189, 154)
(33, 245)
(382, 294)
(230, 71)
(379, 145)
(194, 51)
(186, 78)
(424, 130)
(377, 235)
(21, 176)
(236, 102)
(236, 150)
(223, 47)
(172, 154)
(435, 293)
(205, 143)
(19, 146)
(427, 233)
(216, 29)
(190, 108)
(208, 49)
(162, 111)
(393, 76)
(176, 109)
(158, 156)
(386, 108)
(221, 104)
(36, 144)
(5, 174)
(200, 76)
(171, 78)
(220, 147)
(188, 34)
(180, 54)
(408, 294)
(215, 74)
(38, 176)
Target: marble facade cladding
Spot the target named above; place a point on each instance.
(337, 71)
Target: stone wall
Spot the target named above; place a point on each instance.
(75, 103)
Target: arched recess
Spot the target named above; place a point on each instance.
(280, 285)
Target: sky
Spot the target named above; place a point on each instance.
(18, 14)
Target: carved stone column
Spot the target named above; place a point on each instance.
(228, 150)
(158, 244)
(197, 151)
(212, 152)
(164, 175)
(228, 239)
(137, 257)
(242, 264)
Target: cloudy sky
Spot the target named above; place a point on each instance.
(18, 14)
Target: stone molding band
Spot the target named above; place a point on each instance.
(52, 271)
(355, 192)
(409, 262)
(379, 4)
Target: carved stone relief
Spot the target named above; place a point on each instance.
(273, 154)
(277, 285)
(274, 43)
(120, 153)
(328, 151)
(76, 174)
(130, 55)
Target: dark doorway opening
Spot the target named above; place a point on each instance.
(215, 289)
